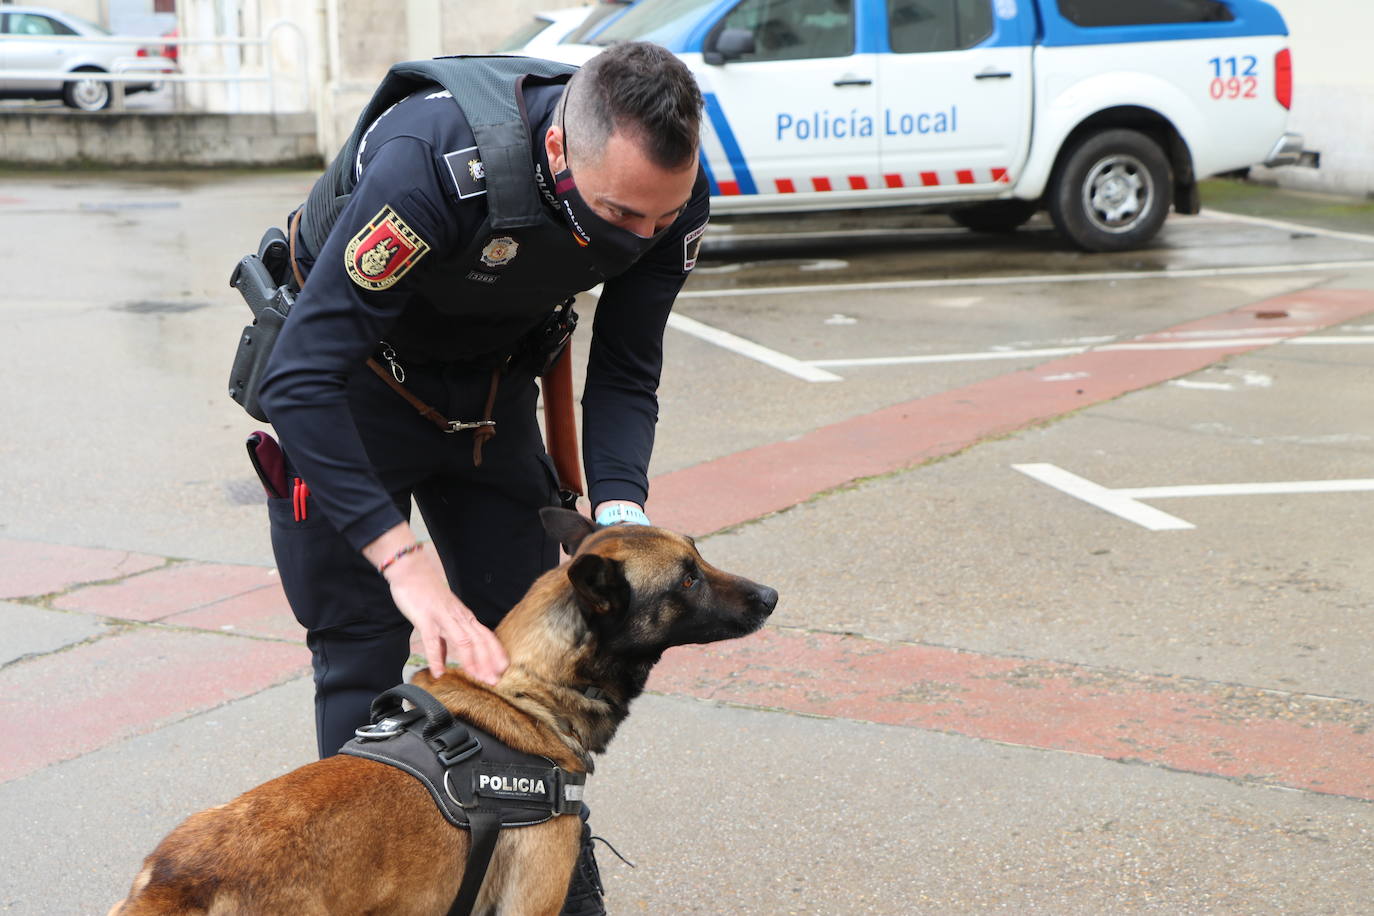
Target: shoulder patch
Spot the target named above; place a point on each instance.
(469, 175)
(691, 247)
(382, 251)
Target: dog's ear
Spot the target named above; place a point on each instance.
(569, 527)
(600, 583)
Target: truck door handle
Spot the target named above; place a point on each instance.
(993, 75)
(853, 81)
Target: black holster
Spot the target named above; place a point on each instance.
(264, 281)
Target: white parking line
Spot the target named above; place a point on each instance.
(1103, 498)
(1226, 344)
(1287, 227)
(1125, 502)
(1028, 280)
(743, 347)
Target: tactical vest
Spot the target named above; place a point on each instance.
(467, 309)
(479, 783)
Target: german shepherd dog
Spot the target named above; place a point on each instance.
(349, 835)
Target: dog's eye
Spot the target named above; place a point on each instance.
(688, 580)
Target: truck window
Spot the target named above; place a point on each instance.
(1143, 12)
(795, 29)
(937, 25)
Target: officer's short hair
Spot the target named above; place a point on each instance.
(642, 89)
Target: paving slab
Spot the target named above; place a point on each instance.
(1321, 744)
(129, 682)
(170, 590)
(27, 630)
(30, 568)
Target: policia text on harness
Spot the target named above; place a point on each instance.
(536, 318)
(479, 783)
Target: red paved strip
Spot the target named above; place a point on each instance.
(28, 568)
(930, 179)
(759, 481)
(261, 612)
(159, 594)
(66, 704)
(893, 180)
(821, 184)
(1263, 736)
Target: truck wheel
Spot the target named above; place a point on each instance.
(87, 95)
(1111, 192)
(995, 216)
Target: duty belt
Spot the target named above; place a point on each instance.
(479, 783)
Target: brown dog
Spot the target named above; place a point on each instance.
(349, 835)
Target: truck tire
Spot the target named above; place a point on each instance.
(995, 215)
(1111, 191)
(86, 95)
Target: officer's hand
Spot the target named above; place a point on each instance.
(443, 622)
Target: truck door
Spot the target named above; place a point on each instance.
(797, 112)
(955, 94)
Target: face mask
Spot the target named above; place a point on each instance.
(611, 248)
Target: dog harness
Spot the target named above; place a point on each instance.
(479, 783)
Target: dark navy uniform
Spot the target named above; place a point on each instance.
(414, 260)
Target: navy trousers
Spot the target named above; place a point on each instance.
(483, 520)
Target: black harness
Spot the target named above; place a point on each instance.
(479, 783)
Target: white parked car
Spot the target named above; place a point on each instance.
(1106, 113)
(552, 27)
(18, 26)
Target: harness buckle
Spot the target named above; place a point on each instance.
(448, 756)
(457, 426)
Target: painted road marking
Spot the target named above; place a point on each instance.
(1301, 741)
(742, 346)
(139, 678)
(748, 348)
(1124, 502)
(1192, 273)
(1286, 226)
(1103, 498)
(757, 482)
(1065, 351)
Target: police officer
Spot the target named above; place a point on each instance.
(474, 198)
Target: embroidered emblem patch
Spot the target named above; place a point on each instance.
(382, 251)
(469, 175)
(691, 247)
(500, 251)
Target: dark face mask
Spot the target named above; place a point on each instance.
(611, 248)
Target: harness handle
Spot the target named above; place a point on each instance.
(437, 717)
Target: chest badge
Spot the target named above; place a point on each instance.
(382, 251)
(500, 251)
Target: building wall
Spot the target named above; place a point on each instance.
(1333, 94)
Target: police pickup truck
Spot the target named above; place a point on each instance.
(1103, 112)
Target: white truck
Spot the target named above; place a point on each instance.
(1103, 112)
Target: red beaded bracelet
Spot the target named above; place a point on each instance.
(386, 564)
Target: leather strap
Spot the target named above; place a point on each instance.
(291, 234)
(480, 435)
(429, 413)
(560, 426)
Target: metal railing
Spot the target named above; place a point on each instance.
(128, 74)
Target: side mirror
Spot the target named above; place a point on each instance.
(730, 44)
